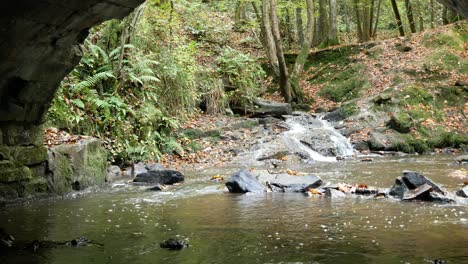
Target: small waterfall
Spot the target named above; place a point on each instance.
(315, 139)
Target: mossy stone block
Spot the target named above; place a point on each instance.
(15, 174)
(29, 155)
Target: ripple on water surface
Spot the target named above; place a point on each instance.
(252, 228)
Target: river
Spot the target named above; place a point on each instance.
(222, 227)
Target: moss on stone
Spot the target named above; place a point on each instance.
(346, 84)
(401, 122)
(453, 39)
(15, 174)
(28, 155)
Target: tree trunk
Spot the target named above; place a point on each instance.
(298, 68)
(126, 37)
(374, 34)
(445, 20)
(366, 22)
(358, 21)
(268, 38)
(432, 13)
(398, 18)
(283, 70)
(322, 30)
(371, 19)
(333, 24)
(409, 14)
(299, 25)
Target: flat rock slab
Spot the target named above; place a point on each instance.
(243, 182)
(420, 193)
(288, 183)
(160, 177)
(333, 193)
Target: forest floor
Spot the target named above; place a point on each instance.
(417, 81)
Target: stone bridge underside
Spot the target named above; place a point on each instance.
(39, 46)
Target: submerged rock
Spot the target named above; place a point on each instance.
(160, 177)
(243, 182)
(174, 244)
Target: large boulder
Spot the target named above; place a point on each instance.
(243, 182)
(415, 186)
(159, 177)
(414, 180)
(288, 183)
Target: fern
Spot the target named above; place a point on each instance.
(93, 80)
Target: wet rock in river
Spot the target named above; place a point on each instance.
(398, 189)
(463, 192)
(174, 244)
(158, 187)
(138, 168)
(113, 173)
(415, 186)
(288, 183)
(419, 193)
(462, 160)
(413, 180)
(160, 177)
(440, 198)
(333, 193)
(243, 182)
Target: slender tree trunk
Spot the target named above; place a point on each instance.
(126, 37)
(298, 67)
(358, 21)
(299, 25)
(432, 13)
(333, 24)
(322, 33)
(374, 34)
(409, 14)
(283, 70)
(398, 18)
(366, 22)
(445, 20)
(371, 18)
(268, 38)
(348, 14)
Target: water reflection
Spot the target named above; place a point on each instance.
(256, 228)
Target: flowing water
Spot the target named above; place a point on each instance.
(128, 223)
(221, 227)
